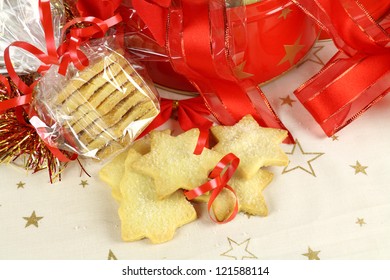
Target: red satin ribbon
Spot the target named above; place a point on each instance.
(358, 76)
(67, 53)
(219, 179)
(154, 13)
(198, 42)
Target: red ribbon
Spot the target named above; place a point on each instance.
(191, 113)
(196, 35)
(358, 75)
(67, 53)
(220, 177)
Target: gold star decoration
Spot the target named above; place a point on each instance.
(360, 222)
(240, 73)
(300, 159)
(20, 185)
(285, 13)
(287, 101)
(291, 52)
(32, 220)
(111, 256)
(239, 251)
(84, 183)
(314, 57)
(359, 168)
(312, 255)
(335, 138)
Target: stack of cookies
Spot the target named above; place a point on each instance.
(148, 179)
(103, 103)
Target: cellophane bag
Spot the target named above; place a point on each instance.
(20, 21)
(99, 110)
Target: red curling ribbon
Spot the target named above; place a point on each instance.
(191, 113)
(67, 53)
(198, 40)
(358, 75)
(219, 178)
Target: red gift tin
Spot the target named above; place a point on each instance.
(278, 35)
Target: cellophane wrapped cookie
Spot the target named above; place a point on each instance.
(97, 111)
(20, 21)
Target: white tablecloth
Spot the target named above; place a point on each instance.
(331, 202)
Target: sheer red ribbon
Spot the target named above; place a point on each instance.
(197, 39)
(68, 52)
(219, 179)
(358, 75)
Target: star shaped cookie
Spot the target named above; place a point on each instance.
(172, 162)
(254, 145)
(143, 214)
(113, 171)
(249, 195)
(112, 174)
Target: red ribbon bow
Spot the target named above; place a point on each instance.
(197, 39)
(358, 75)
(191, 113)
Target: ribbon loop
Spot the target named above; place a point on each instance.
(198, 41)
(358, 75)
(219, 178)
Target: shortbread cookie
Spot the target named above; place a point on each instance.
(173, 164)
(142, 214)
(249, 195)
(113, 171)
(112, 174)
(254, 145)
(105, 101)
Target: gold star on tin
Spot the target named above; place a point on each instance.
(287, 101)
(299, 157)
(32, 220)
(314, 57)
(240, 73)
(360, 222)
(20, 185)
(239, 251)
(111, 256)
(291, 52)
(312, 255)
(84, 183)
(359, 168)
(285, 13)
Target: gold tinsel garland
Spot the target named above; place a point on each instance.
(19, 143)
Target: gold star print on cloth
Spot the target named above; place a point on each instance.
(143, 214)
(249, 194)
(172, 162)
(254, 145)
